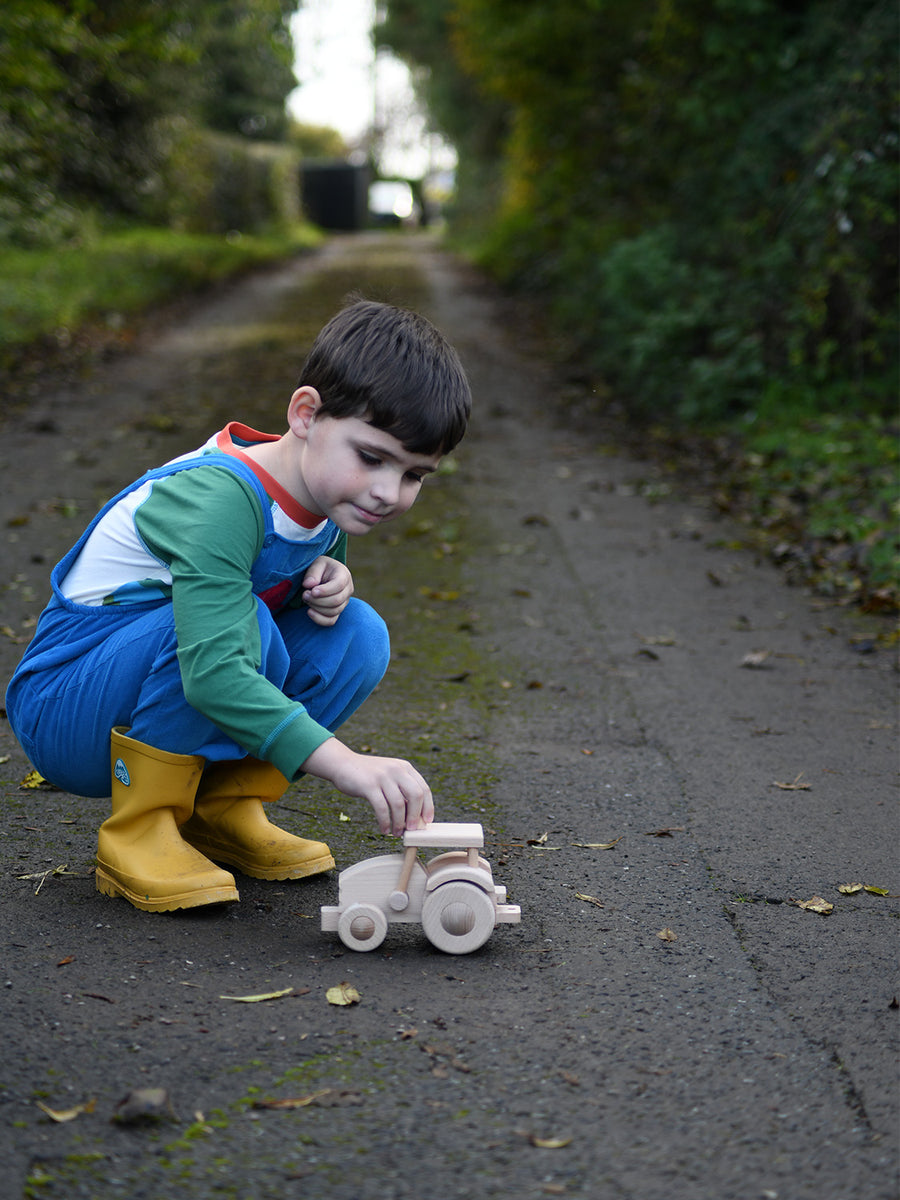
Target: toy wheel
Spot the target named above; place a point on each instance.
(458, 917)
(362, 927)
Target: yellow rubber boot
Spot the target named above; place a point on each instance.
(229, 824)
(141, 854)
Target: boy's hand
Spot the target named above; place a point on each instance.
(327, 586)
(397, 792)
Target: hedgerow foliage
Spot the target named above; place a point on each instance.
(93, 92)
(704, 191)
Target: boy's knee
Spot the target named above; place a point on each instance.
(369, 641)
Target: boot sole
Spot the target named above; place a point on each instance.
(108, 886)
(314, 866)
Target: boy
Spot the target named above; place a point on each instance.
(202, 642)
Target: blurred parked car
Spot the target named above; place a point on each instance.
(391, 202)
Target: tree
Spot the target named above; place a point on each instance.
(88, 89)
(245, 59)
(704, 190)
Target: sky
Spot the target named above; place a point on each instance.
(342, 85)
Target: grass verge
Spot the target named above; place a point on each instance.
(53, 295)
(818, 494)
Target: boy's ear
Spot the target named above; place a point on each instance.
(304, 405)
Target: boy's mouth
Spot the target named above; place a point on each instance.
(366, 515)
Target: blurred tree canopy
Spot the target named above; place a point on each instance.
(90, 89)
(705, 190)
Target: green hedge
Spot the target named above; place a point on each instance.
(214, 183)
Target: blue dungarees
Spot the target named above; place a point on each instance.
(90, 667)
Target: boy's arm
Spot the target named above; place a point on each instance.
(207, 526)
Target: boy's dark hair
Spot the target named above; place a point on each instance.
(392, 368)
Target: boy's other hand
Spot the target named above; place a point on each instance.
(397, 792)
(327, 586)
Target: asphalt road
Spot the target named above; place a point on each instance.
(668, 748)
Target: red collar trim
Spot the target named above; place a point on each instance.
(284, 500)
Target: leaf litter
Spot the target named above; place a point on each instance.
(815, 904)
(342, 995)
(62, 1115)
(259, 997)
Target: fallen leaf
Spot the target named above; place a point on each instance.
(34, 779)
(755, 659)
(334, 1098)
(815, 904)
(796, 786)
(260, 997)
(43, 876)
(67, 1114)
(598, 845)
(850, 889)
(589, 899)
(344, 994)
(667, 935)
(144, 1104)
(434, 594)
(444, 1055)
(666, 831)
(549, 1143)
(64, 962)
(539, 841)
(291, 1101)
(876, 891)
(343, 817)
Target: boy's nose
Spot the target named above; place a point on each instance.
(386, 488)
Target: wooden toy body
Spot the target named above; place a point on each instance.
(454, 895)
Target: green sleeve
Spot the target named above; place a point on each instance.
(206, 524)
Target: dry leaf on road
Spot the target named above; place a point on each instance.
(257, 999)
(755, 659)
(342, 995)
(144, 1104)
(67, 1114)
(796, 786)
(815, 904)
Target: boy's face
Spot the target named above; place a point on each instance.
(350, 471)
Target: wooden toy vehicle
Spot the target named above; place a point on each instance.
(454, 895)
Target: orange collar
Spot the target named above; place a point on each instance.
(285, 501)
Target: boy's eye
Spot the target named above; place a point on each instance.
(371, 460)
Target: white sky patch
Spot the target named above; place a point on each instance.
(345, 86)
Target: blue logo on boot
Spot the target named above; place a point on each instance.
(121, 773)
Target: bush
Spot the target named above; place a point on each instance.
(213, 183)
